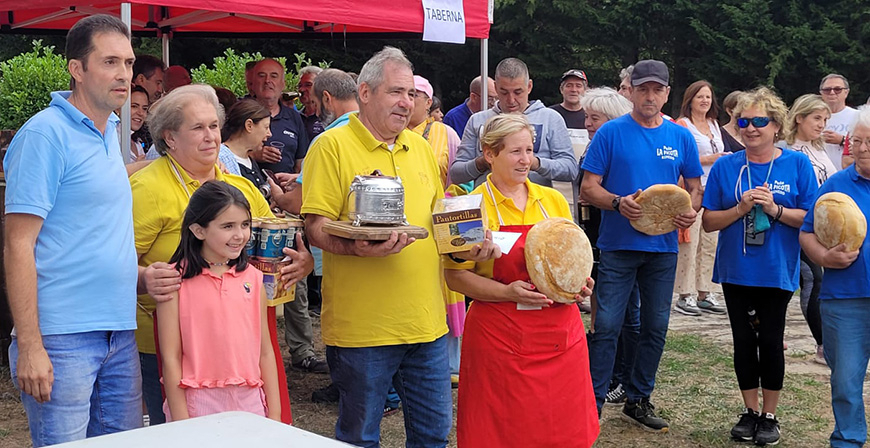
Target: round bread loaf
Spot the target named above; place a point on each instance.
(558, 258)
(839, 220)
(661, 203)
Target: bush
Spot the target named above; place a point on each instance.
(26, 82)
(228, 71)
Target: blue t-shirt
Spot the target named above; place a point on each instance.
(854, 281)
(458, 117)
(60, 168)
(774, 264)
(629, 157)
(287, 128)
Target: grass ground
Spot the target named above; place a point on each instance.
(696, 391)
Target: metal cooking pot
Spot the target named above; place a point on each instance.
(377, 199)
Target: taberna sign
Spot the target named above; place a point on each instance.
(444, 21)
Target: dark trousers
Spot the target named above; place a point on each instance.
(758, 353)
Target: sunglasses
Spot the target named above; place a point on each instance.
(758, 122)
(836, 90)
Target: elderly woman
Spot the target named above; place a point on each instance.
(602, 105)
(757, 199)
(513, 386)
(845, 307)
(806, 121)
(698, 114)
(185, 126)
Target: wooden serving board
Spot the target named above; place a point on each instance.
(344, 229)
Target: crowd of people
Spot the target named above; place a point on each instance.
(130, 284)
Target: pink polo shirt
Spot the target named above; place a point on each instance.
(220, 329)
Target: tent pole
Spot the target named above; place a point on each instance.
(484, 70)
(125, 140)
(165, 39)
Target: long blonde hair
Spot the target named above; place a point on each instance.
(803, 107)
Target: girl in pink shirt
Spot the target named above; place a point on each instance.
(214, 340)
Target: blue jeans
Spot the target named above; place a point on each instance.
(419, 373)
(847, 350)
(654, 274)
(151, 389)
(626, 349)
(96, 389)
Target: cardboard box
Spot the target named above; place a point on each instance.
(275, 293)
(459, 223)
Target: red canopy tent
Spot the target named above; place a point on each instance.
(238, 16)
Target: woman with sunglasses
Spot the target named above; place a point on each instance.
(757, 199)
(806, 121)
(695, 261)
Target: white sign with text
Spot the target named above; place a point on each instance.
(444, 21)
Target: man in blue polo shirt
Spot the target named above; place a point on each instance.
(845, 295)
(287, 127)
(70, 257)
(628, 154)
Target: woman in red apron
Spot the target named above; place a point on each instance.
(524, 379)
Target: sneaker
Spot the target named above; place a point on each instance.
(745, 427)
(313, 365)
(820, 355)
(767, 432)
(328, 394)
(688, 306)
(710, 305)
(643, 414)
(615, 396)
(454, 381)
(390, 409)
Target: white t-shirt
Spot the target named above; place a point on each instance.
(706, 145)
(822, 164)
(839, 123)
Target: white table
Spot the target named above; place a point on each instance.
(225, 430)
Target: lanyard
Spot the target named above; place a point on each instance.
(498, 213)
(738, 188)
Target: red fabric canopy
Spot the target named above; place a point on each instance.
(241, 16)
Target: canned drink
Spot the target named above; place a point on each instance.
(294, 227)
(271, 240)
(251, 246)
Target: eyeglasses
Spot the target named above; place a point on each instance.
(856, 143)
(834, 90)
(758, 122)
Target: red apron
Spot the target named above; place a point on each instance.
(524, 378)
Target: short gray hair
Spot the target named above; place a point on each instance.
(862, 118)
(310, 70)
(607, 101)
(626, 73)
(338, 83)
(834, 76)
(512, 68)
(372, 73)
(167, 113)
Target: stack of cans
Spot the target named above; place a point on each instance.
(269, 236)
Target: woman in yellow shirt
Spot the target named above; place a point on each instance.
(520, 349)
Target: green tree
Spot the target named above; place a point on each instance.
(26, 82)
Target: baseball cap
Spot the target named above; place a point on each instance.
(650, 70)
(574, 72)
(422, 85)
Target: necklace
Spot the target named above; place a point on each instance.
(223, 263)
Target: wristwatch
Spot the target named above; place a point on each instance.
(615, 203)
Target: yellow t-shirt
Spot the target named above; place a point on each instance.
(552, 201)
(377, 301)
(437, 139)
(159, 201)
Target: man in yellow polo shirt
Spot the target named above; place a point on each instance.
(383, 317)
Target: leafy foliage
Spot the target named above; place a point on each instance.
(228, 71)
(26, 82)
